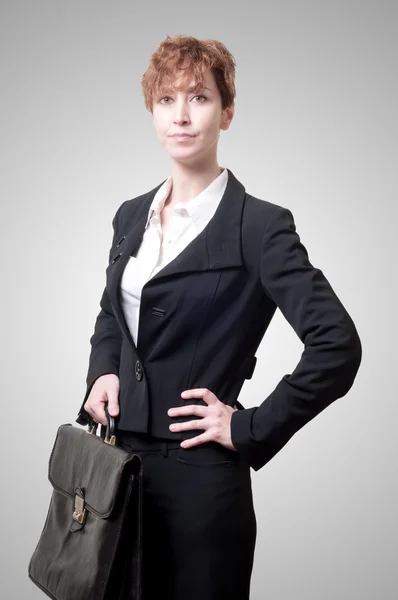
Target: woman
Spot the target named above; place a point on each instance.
(197, 268)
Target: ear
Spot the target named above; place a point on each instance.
(227, 116)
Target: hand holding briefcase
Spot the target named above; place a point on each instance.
(91, 544)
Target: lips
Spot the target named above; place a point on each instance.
(182, 136)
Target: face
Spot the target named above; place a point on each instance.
(197, 115)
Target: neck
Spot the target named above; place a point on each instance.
(188, 181)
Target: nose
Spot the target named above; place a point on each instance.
(181, 113)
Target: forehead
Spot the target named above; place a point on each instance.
(184, 80)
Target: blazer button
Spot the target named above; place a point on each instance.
(139, 372)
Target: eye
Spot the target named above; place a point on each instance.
(168, 98)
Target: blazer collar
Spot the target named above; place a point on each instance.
(217, 246)
(200, 208)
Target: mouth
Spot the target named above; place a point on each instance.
(182, 137)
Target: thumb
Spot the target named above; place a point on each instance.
(113, 403)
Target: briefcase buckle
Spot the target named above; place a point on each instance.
(80, 512)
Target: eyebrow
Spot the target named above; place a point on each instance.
(191, 89)
(204, 88)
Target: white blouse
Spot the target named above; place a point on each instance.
(187, 220)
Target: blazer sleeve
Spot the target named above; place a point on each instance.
(106, 340)
(332, 353)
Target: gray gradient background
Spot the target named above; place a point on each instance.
(315, 130)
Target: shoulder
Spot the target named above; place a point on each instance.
(259, 214)
(263, 220)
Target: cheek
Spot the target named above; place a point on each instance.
(160, 126)
(161, 133)
(211, 122)
(211, 130)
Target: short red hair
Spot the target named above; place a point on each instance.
(195, 56)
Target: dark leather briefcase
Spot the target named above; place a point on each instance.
(91, 544)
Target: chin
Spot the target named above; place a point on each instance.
(184, 153)
(182, 158)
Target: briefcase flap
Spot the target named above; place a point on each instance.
(81, 459)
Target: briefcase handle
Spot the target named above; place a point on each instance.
(107, 432)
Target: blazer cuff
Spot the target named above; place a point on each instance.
(253, 452)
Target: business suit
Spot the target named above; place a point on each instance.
(203, 316)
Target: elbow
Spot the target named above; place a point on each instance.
(356, 351)
(352, 362)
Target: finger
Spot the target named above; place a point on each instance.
(204, 393)
(199, 439)
(201, 424)
(192, 409)
(113, 402)
(91, 410)
(99, 414)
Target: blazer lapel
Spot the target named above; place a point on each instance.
(130, 236)
(217, 246)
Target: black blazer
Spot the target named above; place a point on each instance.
(203, 316)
